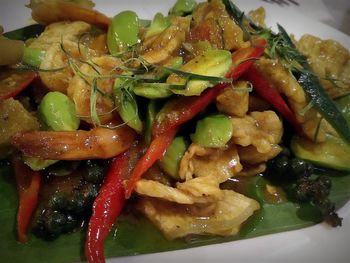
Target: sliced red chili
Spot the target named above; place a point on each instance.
(106, 209)
(264, 89)
(12, 82)
(28, 185)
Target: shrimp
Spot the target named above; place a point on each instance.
(97, 143)
(49, 11)
(79, 89)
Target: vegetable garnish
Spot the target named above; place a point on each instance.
(12, 82)
(106, 208)
(28, 184)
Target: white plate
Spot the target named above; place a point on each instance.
(319, 243)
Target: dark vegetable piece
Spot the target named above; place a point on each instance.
(25, 32)
(106, 209)
(28, 184)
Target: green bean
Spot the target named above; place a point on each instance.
(58, 112)
(213, 131)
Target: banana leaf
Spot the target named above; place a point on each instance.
(137, 235)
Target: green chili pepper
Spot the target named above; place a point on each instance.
(123, 32)
(170, 163)
(33, 56)
(58, 112)
(213, 131)
(126, 103)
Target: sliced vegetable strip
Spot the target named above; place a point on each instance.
(28, 185)
(265, 91)
(180, 110)
(12, 82)
(106, 208)
(155, 152)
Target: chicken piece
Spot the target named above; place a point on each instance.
(260, 129)
(206, 187)
(218, 163)
(161, 47)
(212, 22)
(287, 85)
(225, 220)
(197, 190)
(250, 155)
(59, 31)
(80, 91)
(234, 102)
(156, 189)
(328, 59)
(258, 16)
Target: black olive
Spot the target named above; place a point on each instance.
(94, 172)
(59, 201)
(54, 222)
(299, 168)
(90, 192)
(77, 204)
(281, 165)
(325, 181)
(71, 223)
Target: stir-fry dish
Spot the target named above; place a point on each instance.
(197, 121)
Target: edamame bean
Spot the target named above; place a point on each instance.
(213, 131)
(58, 112)
(170, 163)
(126, 104)
(123, 32)
(183, 7)
(158, 25)
(33, 56)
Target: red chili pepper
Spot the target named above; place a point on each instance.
(28, 185)
(106, 208)
(264, 89)
(12, 82)
(181, 110)
(154, 152)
